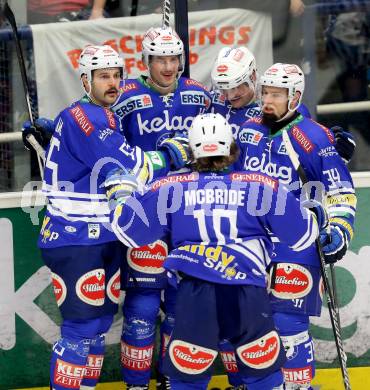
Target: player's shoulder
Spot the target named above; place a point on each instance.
(89, 117)
(316, 132)
(187, 83)
(130, 87)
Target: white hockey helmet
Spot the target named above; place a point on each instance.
(233, 67)
(289, 76)
(210, 135)
(163, 41)
(99, 57)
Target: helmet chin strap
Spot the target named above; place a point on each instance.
(289, 112)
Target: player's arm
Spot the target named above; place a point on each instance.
(134, 217)
(294, 223)
(326, 167)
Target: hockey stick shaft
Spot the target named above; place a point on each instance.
(166, 13)
(333, 313)
(9, 15)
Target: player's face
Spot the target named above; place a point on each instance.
(239, 96)
(274, 101)
(164, 69)
(105, 86)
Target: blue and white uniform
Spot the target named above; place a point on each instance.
(147, 118)
(218, 227)
(295, 277)
(76, 240)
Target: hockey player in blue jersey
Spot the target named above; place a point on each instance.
(234, 75)
(295, 277)
(217, 221)
(153, 108)
(76, 241)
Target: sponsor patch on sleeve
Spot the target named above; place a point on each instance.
(81, 119)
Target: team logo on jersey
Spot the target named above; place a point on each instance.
(148, 258)
(250, 136)
(167, 99)
(46, 231)
(133, 103)
(194, 98)
(90, 287)
(82, 119)
(282, 149)
(302, 139)
(94, 231)
(59, 287)
(261, 353)
(290, 281)
(136, 358)
(301, 376)
(190, 358)
(229, 360)
(68, 375)
(93, 367)
(114, 287)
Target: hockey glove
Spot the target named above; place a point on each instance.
(119, 184)
(344, 143)
(334, 243)
(42, 131)
(178, 149)
(319, 211)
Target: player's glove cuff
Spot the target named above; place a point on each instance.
(119, 185)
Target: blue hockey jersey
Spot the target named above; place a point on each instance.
(148, 118)
(86, 145)
(217, 223)
(314, 143)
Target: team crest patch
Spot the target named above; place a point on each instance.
(59, 287)
(261, 353)
(148, 258)
(114, 287)
(291, 281)
(90, 287)
(190, 358)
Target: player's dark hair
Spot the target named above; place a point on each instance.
(216, 163)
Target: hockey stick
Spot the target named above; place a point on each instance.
(166, 13)
(9, 15)
(334, 318)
